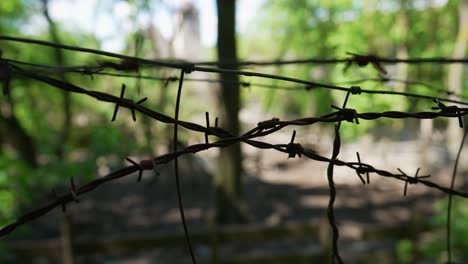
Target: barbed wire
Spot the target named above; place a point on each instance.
(11, 69)
(133, 63)
(358, 59)
(262, 129)
(449, 204)
(98, 70)
(308, 84)
(353, 58)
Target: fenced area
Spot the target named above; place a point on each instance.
(205, 244)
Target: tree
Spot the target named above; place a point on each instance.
(228, 178)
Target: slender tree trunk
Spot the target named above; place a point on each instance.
(67, 246)
(65, 132)
(455, 74)
(228, 178)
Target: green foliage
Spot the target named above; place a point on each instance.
(435, 247)
(13, 184)
(459, 229)
(93, 143)
(11, 14)
(405, 251)
(330, 29)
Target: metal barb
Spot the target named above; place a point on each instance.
(294, 149)
(364, 60)
(133, 108)
(73, 190)
(361, 170)
(452, 109)
(355, 90)
(140, 169)
(122, 92)
(207, 118)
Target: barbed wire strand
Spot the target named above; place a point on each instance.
(98, 71)
(359, 59)
(131, 60)
(176, 169)
(262, 131)
(410, 83)
(263, 128)
(354, 58)
(227, 140)
(332, 117)
(314, 85)
(332, 189)
(449, 206)
(150, 164)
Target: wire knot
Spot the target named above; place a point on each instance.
(268, 124)
(451, 109)
(188, 67)
(294, 149)
(355, 90)
(412, 180)
(364, 60)
(347, 114)
(362, 170)
(140, 168)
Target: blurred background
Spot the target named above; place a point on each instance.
(243, 205)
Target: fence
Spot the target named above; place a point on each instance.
(11, 68)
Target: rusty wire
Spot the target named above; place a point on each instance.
(100, 70)
(225, 138)
(176, 165)
(449, 205)
(331, 184)
(134, 63)
(353, 58)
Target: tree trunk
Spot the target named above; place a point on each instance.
(455, 75)
(59, 57)
(67, 248)
(227, 181)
